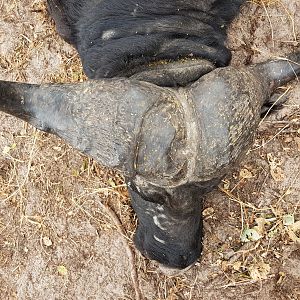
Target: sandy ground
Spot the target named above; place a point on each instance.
(57, 241)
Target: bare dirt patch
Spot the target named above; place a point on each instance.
(57, 241)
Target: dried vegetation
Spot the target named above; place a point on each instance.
(252, 222)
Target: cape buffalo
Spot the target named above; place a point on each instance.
(163, 107)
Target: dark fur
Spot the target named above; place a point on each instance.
(118, 37)
(145, 31)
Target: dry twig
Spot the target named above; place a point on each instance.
(129, 251)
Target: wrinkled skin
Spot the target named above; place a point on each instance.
(174, 129)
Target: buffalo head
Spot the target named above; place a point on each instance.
(172, 144)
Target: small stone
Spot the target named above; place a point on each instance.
(227, 254)
(47, 241)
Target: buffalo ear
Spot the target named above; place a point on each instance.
(178, 73)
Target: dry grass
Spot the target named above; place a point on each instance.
(69, 184)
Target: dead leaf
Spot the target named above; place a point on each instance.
(6, 150)
(224, 266)
(250, 235)
(277, 174)
(292, 232)
(288, 220)
(56, 148)
(297, 140)
(273, 160)
(261, 222)
(226, 184)
(208, 212)
(259, 271)
(62, 270)
(274, 163)
(245, 174)
(282, 276)
(237, 265)
(111, 182)
(75, 173)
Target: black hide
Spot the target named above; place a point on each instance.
(116, 37)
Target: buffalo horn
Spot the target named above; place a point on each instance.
(101, 118)
(168, 137)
